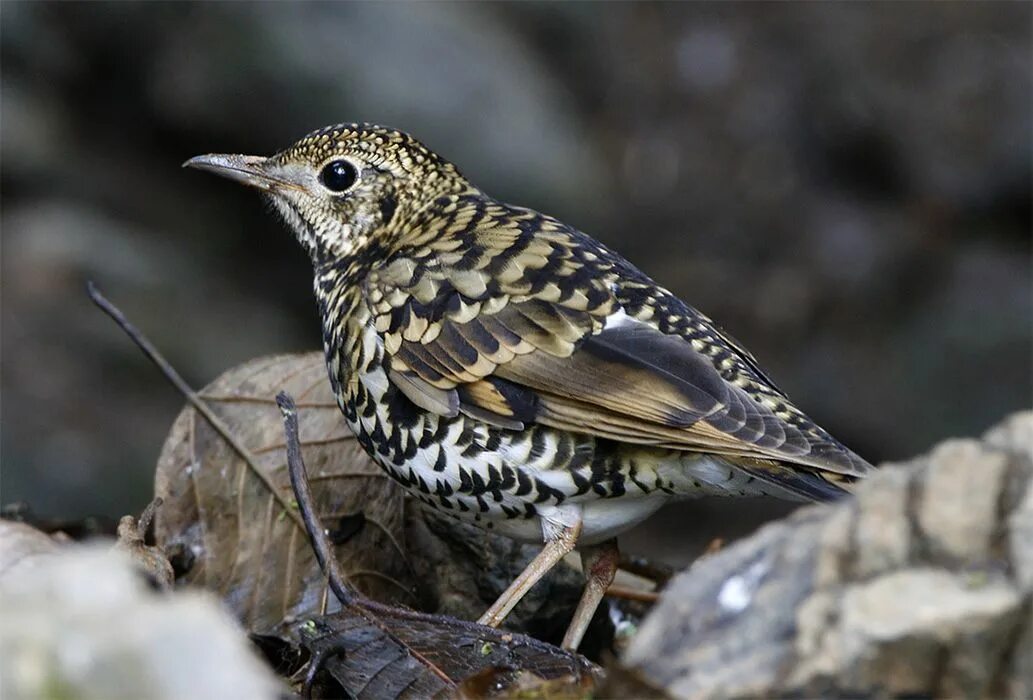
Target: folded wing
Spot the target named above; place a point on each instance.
(514, 359)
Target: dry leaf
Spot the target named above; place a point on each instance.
(392, 653)
(237, 536)
(496, 682)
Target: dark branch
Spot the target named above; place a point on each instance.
(189, 394)
(350, 599)
(303, 495)
(137, 337)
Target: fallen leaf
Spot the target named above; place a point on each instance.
(499, 682)
(236, 536)
(381, 652)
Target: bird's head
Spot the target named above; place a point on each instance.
(345, 186)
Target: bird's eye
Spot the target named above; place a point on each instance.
(338, 175)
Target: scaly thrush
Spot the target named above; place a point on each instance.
(509, 370)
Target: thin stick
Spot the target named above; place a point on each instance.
(303, 495)
(191, 396)
(632, 594)
(658, 573)
(321, 544)
(144, 523)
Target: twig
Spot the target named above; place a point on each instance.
(132, 535)
(303, 495)
(658, 573)
(147, 516)
(191, 396)
(632, 594)
(321, 543)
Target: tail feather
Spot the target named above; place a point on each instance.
(799, 482)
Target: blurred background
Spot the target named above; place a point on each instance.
(845, 187)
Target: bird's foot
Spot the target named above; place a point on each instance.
(600, 566)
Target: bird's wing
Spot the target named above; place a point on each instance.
(522, 331)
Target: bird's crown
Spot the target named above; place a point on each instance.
(344, 186)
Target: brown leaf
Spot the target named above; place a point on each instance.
(499, 682)
(234, 533)
(379, 652)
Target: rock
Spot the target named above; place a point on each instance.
(920, 585)
(22, 548)
(78, 621)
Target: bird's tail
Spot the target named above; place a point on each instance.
(799, 482)
(725, 475)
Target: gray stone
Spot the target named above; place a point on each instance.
(959, 501)
(80, 622)
(921, 584)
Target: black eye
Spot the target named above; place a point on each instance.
(338, 175)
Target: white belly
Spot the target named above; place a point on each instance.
(601, 519)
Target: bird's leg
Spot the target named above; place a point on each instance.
(600, 566)
(560, 540)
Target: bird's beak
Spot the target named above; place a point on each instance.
(253, 171)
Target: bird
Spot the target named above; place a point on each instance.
(511, 371)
